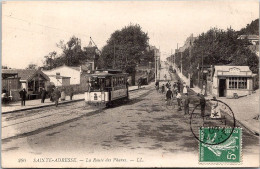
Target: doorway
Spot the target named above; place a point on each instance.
(222, 87)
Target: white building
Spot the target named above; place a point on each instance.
(64, 73)
(232, 80)
(254, 39)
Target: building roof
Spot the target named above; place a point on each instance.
(227, 68)
(251, 37)
(78, 68)
(25, 74)
(59, 76)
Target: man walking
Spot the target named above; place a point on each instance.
(43, 95)
(56, 96)
(23, 94)
(186, 104)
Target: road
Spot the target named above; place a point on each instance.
(142, 127)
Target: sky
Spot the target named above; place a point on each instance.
(31, 30)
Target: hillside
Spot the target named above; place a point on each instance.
(250, 29)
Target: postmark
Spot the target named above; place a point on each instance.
(216, 115)
(226, 152)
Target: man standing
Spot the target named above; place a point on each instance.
(185, 90)
(71, 93)
(43, 95)
(139, 83)
(163, 88)
(179, 100)
(23, 94)
(56, 96)
(157, 85)
(202, 105)
(169, 95)
(179, 86)
(186, 104)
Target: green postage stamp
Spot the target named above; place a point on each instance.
(220, 145)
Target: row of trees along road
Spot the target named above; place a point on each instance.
(217, 47)
(125, 49)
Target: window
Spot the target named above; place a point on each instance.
(237, 83)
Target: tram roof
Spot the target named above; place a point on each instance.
(105, 74)
(112, 71)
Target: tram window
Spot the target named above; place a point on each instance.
(108, 83)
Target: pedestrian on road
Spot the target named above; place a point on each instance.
(71, 92)
(186, 104)
(185, 90)
(63, 95)
(163, 88)
(169, 95)
(157, 86)
(139, 83)
(165, 77)
(43, 95)
(23, 94)
(202, 105)
(179, 85)
(179, 100)
(56, 96)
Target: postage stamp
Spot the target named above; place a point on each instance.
(226, 152)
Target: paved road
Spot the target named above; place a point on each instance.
(142, 127)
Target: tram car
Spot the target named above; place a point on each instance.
(106, 87)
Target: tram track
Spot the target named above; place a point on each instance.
(40, 121)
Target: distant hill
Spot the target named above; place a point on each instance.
(250, 29)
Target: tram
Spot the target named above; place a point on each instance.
(106, 87)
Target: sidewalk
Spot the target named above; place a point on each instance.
(33, 104)
(245, 108)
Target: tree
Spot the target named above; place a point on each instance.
(218, 47)
(72, 54)
(72, 51)
(125, 49)
(32, 66)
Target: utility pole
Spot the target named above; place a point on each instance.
(155, 71)
(171, 58)
(175, 57)
(181, 63)
(114, 60)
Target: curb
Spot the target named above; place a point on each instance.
(48, 105)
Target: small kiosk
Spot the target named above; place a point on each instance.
(232, 81)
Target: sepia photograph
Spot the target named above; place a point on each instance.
(130, 84)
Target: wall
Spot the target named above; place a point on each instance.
(9, 84)
(66, 71)
(240, 92)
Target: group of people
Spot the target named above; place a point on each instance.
(175, 91)
(54, 94)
